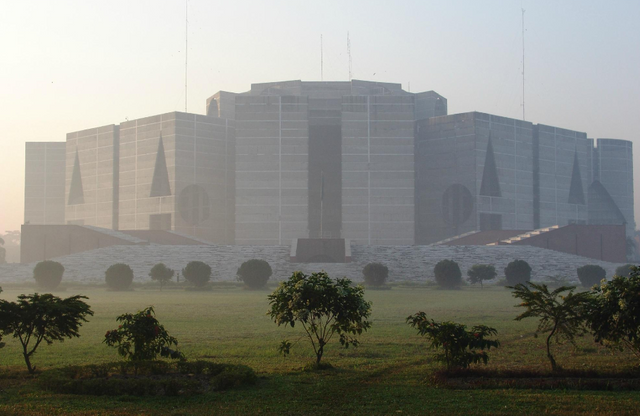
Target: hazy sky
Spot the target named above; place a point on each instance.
(70, 65)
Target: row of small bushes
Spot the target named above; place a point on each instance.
(147, 378)
(448, 274)
(254, 273)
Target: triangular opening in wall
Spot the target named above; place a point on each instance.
(602, 207)
(490, 185)
(76, 193)
(576, 192)
(160, 183)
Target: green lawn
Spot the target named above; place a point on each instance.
(390, 373)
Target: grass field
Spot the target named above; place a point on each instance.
(390, 373)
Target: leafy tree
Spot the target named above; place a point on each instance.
(161, 274)
(375, 274)
(48, 274)
(254, 273)
(591, 274)
(614, 315)
(517, 272)
(561, 315)
(481, 272)
(461, 348)
(197, 273)
(140, 337)
(119, 276)
(36, 318)
(624, 270)
(448, 274)
(323, 307)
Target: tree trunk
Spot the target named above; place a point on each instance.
(554, 366)
(31, 369)
(319, 353)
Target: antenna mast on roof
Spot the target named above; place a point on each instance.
(349, 54)
(186, 49)
(321, 61)
(523, 64)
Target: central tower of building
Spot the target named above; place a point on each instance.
(325, 160)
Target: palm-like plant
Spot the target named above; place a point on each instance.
(562, 316)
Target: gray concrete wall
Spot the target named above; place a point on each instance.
(95, 149)
(616, 174)
(512, 142)
(272, 150)
(446, 159)
(558, 148)
(378, 169)
(44, 201)
(405, 263)
(199, 156)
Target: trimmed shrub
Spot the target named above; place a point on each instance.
(516, 272)
(448, 274)
(375, 274)
(591, 274)
(48, 274)
(146, 378)
(197, 273)
(254, 273)
(624, 270)
(161, 274)
(119, 276)
(481, 272)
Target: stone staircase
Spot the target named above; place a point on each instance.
(526, 235)
(456, 237)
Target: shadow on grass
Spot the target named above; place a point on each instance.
(536, 379)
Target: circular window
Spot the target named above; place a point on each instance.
(193, 204)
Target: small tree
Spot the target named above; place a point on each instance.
(375, 274)
(254, 273)
(197, 273)
(323, 307)
(614, 315)
(517, 272)
(140, 337)
(461, 348)
(119, 276)
(48, 274)
(481, 272)
(560, 315)
(36, 318)
(591, 274)
(161, 274)
(448, 274)
(624, 270)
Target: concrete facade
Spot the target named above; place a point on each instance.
(176, 173)
(474, 173)
(480, 172)
(91, 185)
(326, 160)
(44, 183)
(613, 167)
(563, 166)
(272, 152)
(358, 160)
